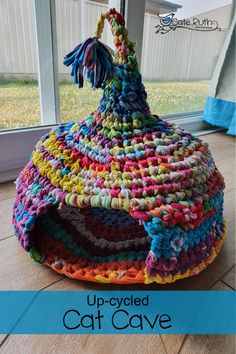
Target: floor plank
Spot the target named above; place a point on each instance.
(7, 190)
(18, 272)
(223, 151)
(218, 139)
(2, 337)
(209, 344)
(173, 342)
(220, 285)
(219, 153)
(229, 279)
(86, 344)
(6, 227)
(229, 207)
(227, 168)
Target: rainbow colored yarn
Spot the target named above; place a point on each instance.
(122, 196)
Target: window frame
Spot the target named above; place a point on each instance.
(45, 25)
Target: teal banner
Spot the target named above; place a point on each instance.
(117, 312)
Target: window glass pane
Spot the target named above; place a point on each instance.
(76, 21)
(176, 66)
(19, 97)
(179, 63)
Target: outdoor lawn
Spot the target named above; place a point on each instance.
(19, 100)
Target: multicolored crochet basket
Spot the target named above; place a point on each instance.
(122, 196)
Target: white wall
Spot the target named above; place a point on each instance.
(76, 21)
(17, 37)
(180, 55)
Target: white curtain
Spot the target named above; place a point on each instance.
(220, 104)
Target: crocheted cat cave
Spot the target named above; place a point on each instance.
(122, 196)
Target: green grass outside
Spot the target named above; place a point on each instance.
(19, 100)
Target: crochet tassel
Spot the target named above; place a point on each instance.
(91, 58)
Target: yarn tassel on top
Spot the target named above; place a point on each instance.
(93, 59)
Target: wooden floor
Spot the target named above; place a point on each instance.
(19, 272)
